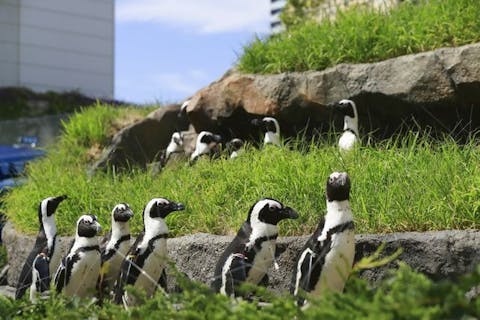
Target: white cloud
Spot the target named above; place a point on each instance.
(205, 16)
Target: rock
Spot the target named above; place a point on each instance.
(142, 142)
(438, 89)
(439, 254)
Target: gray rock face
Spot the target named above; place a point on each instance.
(439, 89)
(442, 254)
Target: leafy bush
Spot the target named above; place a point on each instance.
(364, 35)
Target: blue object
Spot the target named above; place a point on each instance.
(12, 162)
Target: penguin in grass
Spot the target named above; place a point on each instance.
(234, 147)
(350, 135)
(207, 144)
(326, 260)
(144, 266)
(250, 254)
(114, 247)
(271, 128)
(78, 273)
(174, 148)
(45, 245)
(40, 276)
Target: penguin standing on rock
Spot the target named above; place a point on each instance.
(252, 251)
(78, 273)
(350, 136)
(144, 266)
(45, 247)
(206, 144)
(326, 260)
(271, 128)
(115, 246)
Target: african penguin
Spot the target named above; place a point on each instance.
(114, 246)
(326, 260)
(175, 146)
(206, 144)
(250, 254)
(235, 147)
(271, 128)
(144, 266)
(349, 138)
(183, 108)
(40, 276)
(78, 273)
(46, 243)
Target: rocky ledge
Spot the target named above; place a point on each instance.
(440, 254)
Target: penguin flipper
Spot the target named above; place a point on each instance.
(60, 277)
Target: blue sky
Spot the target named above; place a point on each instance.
(166, 50)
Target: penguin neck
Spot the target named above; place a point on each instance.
(271, 138)
(82, 242)
(173, 147)
(351, 124)
(154, 227)
(120, 229)
(262, 229)
(50, 229)
(201, 148)
(338, 212)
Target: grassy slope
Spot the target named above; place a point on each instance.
(360, 35)
(408, 184)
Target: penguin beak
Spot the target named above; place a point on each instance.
(98, 227)
(217, 138)
(60, 198)
(289, 213)
(177, 206)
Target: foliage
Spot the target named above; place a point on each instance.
(402, 184)
(404, 295)
(296, 12)
(364, 35)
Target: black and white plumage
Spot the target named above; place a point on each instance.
(326, 260)
(252, 251)
(206, 144)
(234, 147)
(46, 244)
(40, 276)
(115, 246)
(183, 108)
(349, 137)
(271, 128)
(174, 147)
(144, 266)
(78, 273)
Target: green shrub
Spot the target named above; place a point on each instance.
(362, 35)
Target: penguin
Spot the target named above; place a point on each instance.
(174, 147)
(183, 108)
(271, 128)
(206, 144)
(350, 136)
(78, 273)
(40, 276)
(326, 260)
(235, 147)
(252, 251)
(115, 246)
(144, 266)
(45, 243)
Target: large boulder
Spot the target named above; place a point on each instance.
(438, 89)
(439, 254)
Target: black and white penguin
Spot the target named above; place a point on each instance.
(45, 244)
(40, 276)
(183, 108)
(78, 273)
(350, 136)
(115, 246)
(206, 144)
(144, 266)
(250, 254)
(234, 147)
(175, 146)
(271, 128)
(326, 260)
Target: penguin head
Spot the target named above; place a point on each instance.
(269, 211)
(267, 124)
(48, 206)
(177, 139)
(161, 208)
(206, 142)
(183, 108)
(338, 187)
(347, 108)
(122, 212)
(88, 226)
(235, 144)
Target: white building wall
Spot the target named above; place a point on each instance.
(9, 49)
(66, 45)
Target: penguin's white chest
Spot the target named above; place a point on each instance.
(262, 261)
(115, 262)
(347, 141)
(55, 259)
(153, 267)
(84, 274)
(271, 138)
(338, 263)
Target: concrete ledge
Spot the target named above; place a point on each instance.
(439, 254)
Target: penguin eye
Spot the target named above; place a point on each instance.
(271, 208)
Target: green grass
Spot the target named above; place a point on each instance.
(362, 35)
(404, 295)
(403, 184)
